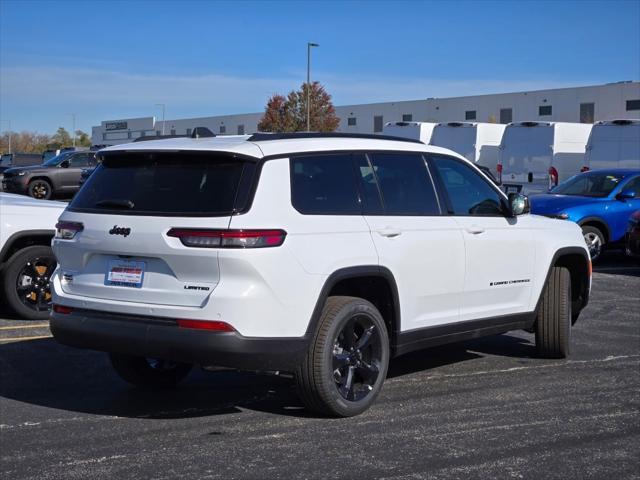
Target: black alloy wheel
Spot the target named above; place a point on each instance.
(40, 189)
(357, 355)
(32, 283)
(26, 282)
(347, 361)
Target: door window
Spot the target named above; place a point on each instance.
(404, 181)
(468, 192)
(634, 186)
(81, 160)
(324, 185)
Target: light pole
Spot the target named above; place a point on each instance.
(73, 117)
(309, 45)
(163, 107)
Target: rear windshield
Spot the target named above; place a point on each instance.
(166, 183)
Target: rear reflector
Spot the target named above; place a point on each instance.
(68, 230)
(499, 170)
(205, 325)
(62, 309)
(228, 238)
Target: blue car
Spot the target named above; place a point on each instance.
(600, 201)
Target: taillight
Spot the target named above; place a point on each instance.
(214, 325)
(584, 169)
(228, 238)
(68, 230)
(553, 177)
(499, 170)
(62, 309)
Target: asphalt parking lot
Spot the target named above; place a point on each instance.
(480, 409)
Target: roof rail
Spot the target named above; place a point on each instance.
(262, 137)
(146, 138)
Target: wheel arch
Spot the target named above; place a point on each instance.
(20, 240)
(599, 223)
(373, 283)
(578, 262)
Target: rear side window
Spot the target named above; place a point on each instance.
(324, 185)
(170, 184)
(468, 192)
(405, 184)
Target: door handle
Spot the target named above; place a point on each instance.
(475, 229)
(390, 232)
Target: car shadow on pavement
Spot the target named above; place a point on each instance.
(47, 374)
(615, 262)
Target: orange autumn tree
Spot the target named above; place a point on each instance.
(289, 114)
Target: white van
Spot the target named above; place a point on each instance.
(613, 144)
(535, 156)
(416, 130)
(477, 142)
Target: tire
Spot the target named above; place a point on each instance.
(25, 281)
(553, 323)
(149, 373)
(40, 189)
(594, 239)
(334, 379)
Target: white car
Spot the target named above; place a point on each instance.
(26, 260)
(323, 255)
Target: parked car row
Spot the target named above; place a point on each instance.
(304, 254)
(58, 176)
(532, 157)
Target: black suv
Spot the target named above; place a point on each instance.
(59, 176)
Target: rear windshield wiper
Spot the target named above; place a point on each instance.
(116, 203)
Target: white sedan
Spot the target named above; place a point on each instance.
(26, 260)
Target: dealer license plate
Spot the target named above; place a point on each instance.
(125, 273)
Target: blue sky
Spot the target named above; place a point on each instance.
(115, 59)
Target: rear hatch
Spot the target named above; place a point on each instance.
(527, 153)
(126, 209)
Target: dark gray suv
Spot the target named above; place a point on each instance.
(59, 176)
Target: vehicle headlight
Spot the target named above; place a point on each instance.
(562, 216)
(21, 174)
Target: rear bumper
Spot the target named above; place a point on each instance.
(148, 337)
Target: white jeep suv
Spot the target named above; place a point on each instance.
(322, 255)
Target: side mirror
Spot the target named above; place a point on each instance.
(64, 164)
(626, 195)
(519, 204)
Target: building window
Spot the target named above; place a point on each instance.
(188, 132)
(470, 115)
(377, 123)
(506, 115)
(587, 112)
(633, 105)
(223, 129)
(240, 129)
(407, 117)
(544, 110)
(351, 121)
(173, 131)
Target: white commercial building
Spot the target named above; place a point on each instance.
(579, 104)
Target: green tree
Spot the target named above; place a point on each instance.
(61, 139)
(290, 114)
(82, 139)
